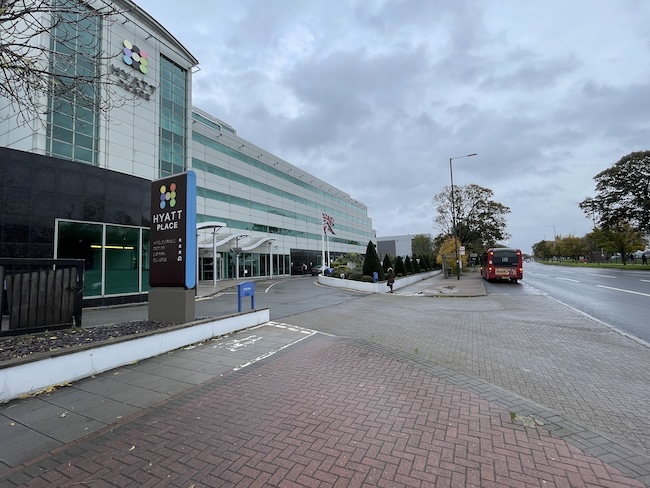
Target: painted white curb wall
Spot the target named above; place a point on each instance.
(33, 376)
(375, 287)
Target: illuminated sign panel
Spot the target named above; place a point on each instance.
(173, 231)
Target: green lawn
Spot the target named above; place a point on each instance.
(578, 264)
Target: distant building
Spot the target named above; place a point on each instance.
(395, 245)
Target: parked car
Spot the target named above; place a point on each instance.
(316, 270)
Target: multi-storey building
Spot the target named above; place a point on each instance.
(75, 181)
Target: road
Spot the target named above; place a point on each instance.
(283, 298)
(618, 297)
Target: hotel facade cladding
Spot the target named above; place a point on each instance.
(76, 184)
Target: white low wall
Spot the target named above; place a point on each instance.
(32, 376)
(379, 287)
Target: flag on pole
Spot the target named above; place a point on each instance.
(328, 224)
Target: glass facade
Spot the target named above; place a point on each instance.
(73, 121)
(117, 262)
(173, 111)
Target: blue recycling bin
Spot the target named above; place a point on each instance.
(375, 277)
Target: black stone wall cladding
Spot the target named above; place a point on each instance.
(36, 189)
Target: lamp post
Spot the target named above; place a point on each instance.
(453, 210)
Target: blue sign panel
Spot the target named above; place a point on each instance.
(245, 289)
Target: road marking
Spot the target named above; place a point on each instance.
(271, 285)
(604, 276)
(566, 279)
(625, 291)
(646, 281)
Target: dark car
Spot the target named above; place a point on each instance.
(316, 270)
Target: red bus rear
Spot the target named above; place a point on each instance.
(502, 263)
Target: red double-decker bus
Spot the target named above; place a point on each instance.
(502, 263)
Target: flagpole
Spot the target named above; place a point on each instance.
(323, 241)
(328, 252)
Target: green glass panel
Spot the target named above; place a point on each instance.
(62, 149)
(61, 134)
(83, 241)
(84, 142)
(62, 120)
(122, 252)
(84, 155)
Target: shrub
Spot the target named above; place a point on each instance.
(371, 263)
(355, 276)
(367, 279)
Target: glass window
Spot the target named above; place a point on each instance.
(75, 42)
(122, 254)
(173, 96)
(83, 241)
(145, 260)
(61, 149)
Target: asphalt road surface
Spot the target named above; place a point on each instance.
(617, 297)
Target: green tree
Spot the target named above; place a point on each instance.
(622, 194)
(408, 264)
(416, 265)
(387, 263)
(622, 238)
(543, 250)
(572, 246)
(371, 262)
(422, 245)
(350, 260)
(480, 221)
(400, 269)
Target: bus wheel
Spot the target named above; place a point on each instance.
(513, 280)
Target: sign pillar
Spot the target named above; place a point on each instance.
(173, 260)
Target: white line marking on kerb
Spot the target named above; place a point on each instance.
(625, 291)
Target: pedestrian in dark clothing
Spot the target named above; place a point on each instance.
(390, 279)
(644, 259)
(304, 269)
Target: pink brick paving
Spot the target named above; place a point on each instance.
(328, 412)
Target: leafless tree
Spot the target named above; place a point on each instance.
(51, 50)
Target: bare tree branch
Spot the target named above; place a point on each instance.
(51, 50)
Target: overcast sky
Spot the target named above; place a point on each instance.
(374, 97)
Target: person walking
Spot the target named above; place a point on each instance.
(391, 279)
(304, 269)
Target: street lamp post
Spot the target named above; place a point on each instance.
(453, 210)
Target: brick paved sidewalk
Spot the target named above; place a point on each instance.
(326, 412)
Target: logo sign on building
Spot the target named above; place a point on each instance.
(135, 57)
(172, 261)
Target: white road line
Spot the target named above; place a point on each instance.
(646, 281)
(604, 276)
(566, 279)
(271, 285)
(625, 291)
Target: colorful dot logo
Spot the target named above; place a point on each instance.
(135, 57)
(168, 197)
